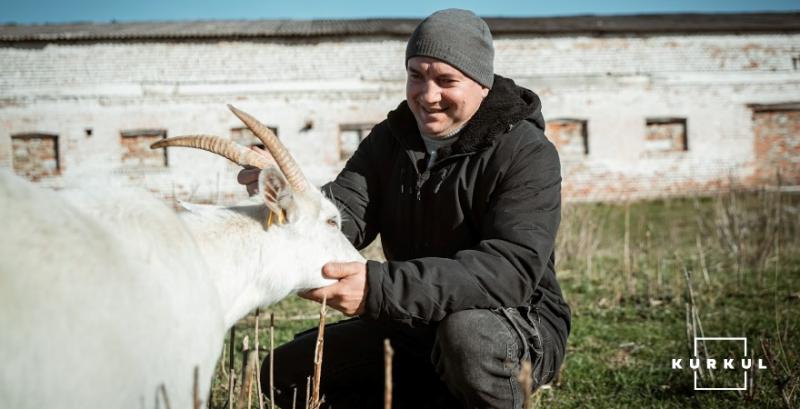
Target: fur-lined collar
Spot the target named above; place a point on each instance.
(505, 105)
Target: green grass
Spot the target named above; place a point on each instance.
(741, 254)
(620, 356)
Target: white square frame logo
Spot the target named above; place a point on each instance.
(744, 342)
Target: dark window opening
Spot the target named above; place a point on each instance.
(570, 136)
(666, 135)
(350, 136)
(245, 137)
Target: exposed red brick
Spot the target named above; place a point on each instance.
(136, 150)
(569, 136)
(777, 146)
(35, 156)
(665, 135)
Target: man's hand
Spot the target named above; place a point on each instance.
(347, 295)
(249, 175)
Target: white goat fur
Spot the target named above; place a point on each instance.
(105, 295)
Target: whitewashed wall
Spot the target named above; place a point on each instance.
(613, 83)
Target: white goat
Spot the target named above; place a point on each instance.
(105, 296)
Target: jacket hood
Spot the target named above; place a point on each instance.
(504, 106)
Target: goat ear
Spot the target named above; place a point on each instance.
(274, 189)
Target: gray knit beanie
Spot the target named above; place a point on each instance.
(459, 38)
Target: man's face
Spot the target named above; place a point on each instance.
(441, 97)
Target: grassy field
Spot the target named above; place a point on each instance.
(643, 279)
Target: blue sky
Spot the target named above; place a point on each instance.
(53, 11)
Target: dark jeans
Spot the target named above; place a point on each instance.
(470, 359)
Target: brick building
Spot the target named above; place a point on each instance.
(638, 106)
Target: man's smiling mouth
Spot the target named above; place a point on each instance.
(433, 110)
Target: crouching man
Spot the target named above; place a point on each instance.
(465, 192)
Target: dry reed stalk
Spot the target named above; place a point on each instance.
(691, 319)
(231, 378)
(697, 326)
(196, 402)
(701, 252)
(222, 361)
(258, 363)
(249, 358)
(626, 253)
(536, 399)
(525, 379)
(783, 381)
(272, 363)
(308, 391)
(315, 401)
(751, 390)
(388, 354)
(163, 389)
(689, 332)
(589, 263)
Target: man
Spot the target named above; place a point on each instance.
(464, 189)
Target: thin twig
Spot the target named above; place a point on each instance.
(231, 380)
(308, 392)
(272, 362)
(222, 361)
(163, 389)
(689, 339)
(626, 251)
(781, 382)
(250, 373)
(196, 388)
(249, 359)
(696, 319)
(388, 354)
(315, 402)
(702, 255)
(258, 365)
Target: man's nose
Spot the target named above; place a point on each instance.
(431, 93)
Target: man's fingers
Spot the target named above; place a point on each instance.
(338, 271)
(309, 295)
(318, 294)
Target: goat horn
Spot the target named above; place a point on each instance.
(236, 153)
(285, 160)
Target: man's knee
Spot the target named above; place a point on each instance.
(477, 355)
(469, 333)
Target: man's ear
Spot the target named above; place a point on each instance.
(274, 189)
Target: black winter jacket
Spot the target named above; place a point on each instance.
(475, 230)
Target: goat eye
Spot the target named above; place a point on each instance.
(332, 222)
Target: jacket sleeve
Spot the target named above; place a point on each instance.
(517, 235)
(353, 193)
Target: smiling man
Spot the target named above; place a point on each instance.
(464, 189)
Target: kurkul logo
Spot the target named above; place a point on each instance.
(727, 364)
